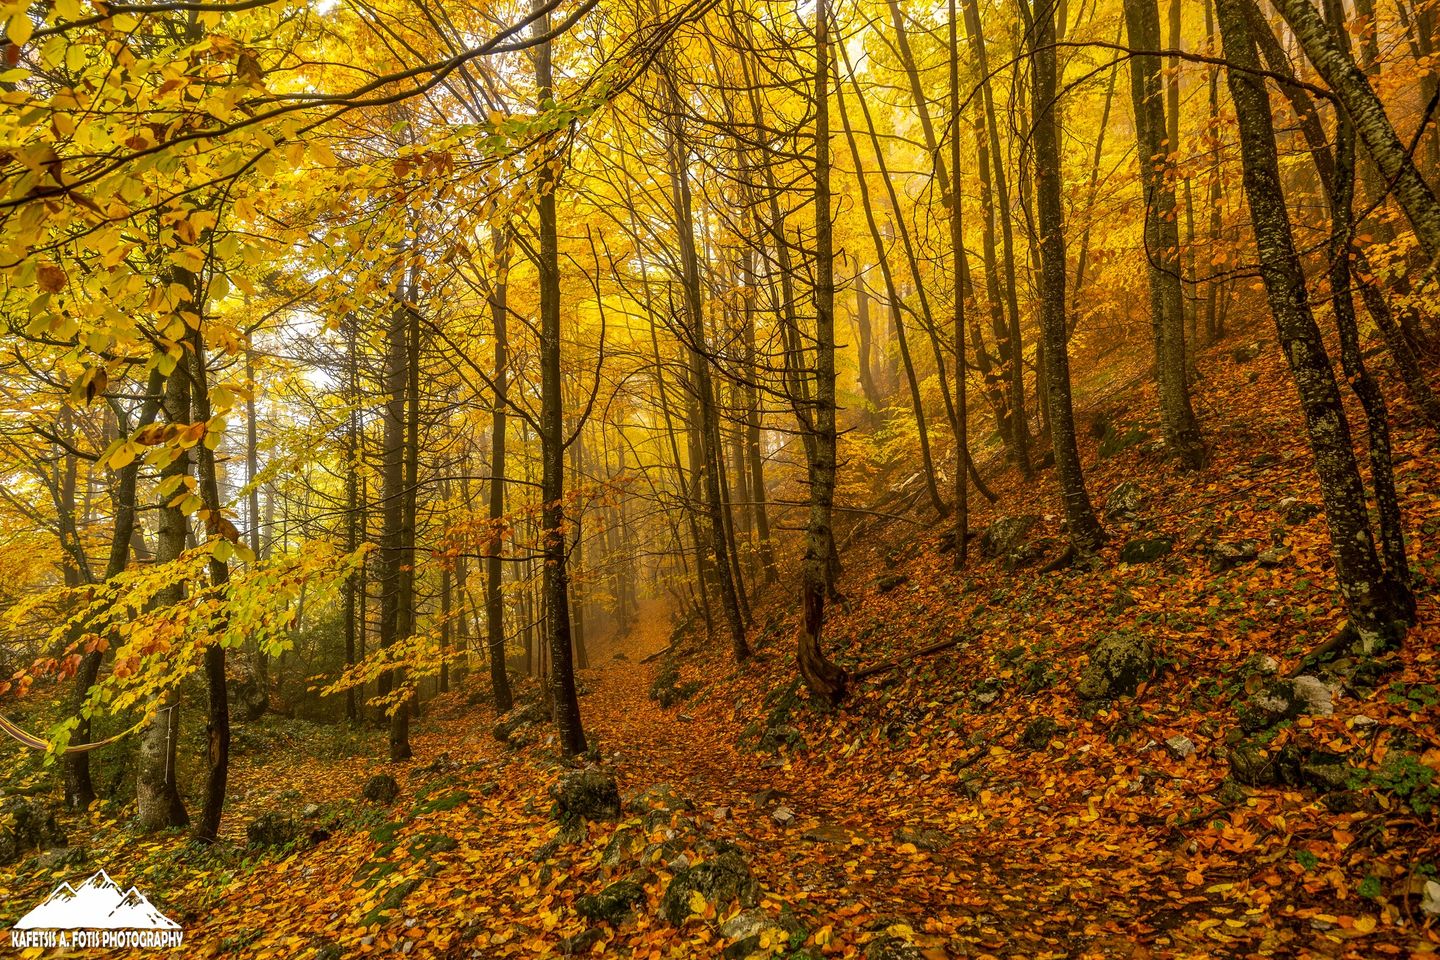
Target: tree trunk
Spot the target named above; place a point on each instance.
(1162, 238)
(570, 732)
(1360, 101)
(494, 554)
(157, 798)
(1363, 585)
(1085, 532)
(825, 680)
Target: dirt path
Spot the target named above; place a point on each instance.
(918, 857)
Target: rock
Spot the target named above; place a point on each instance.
(924, 838)
(1038, 733)
(1180, 747)
(783, 815)
(658, 796)
(1124, 500)
(1274, 557)
(1119, 662)
(27, 825)
(62, 858)
(588, 794)
(272, 830)
(1430, 899)
(889, 581)
(1247, 353)
(1227, 556)
(667, 689)
(1327, 772)
(1007, 535)
(1314, 695)
(581, 943)
(329, 950)
(1286, 699)
(746, 923)
(1146, 549)
(887, 947)
(310, 810)
(625, 843)
(612, 904)
(767, 797)
(831, 833)
(513, 726)
(1254, 764)
(381, 788)
(719, 881)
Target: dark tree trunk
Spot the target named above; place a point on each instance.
(1364, 586)
(571, 734)
(825, 680)
(1162, 237)
(1084, 528)
(158, 801)
(217, 727)
(494, 554)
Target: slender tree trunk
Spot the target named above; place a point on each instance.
(79, 786)
(158, 801)
(927, 462)
(710, 461)
(825, 680)
(494, 554)
(1162, 239)
(1084, 528)
(1009, 344)
(570, 732)
(958, 268)
(217, 728)
(1368, 596)
(1372, 124)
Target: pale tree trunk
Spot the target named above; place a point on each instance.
(494, 554)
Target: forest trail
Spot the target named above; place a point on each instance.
(920, 859)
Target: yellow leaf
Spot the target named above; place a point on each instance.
(21, 29)
(697, 902)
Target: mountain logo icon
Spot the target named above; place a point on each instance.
(97, 913)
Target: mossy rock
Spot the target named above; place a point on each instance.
(1119, 663)
(272, 830)
(611, 905)
(719, 881)
(381, 788)
(588, 794)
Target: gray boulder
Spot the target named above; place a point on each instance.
(1119, 663)
(1227, 556)
(1125, 500)
(1007, 535)
(1146, 549)
(887, 947)
(272, 830)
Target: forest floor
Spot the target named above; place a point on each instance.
(966, 804)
